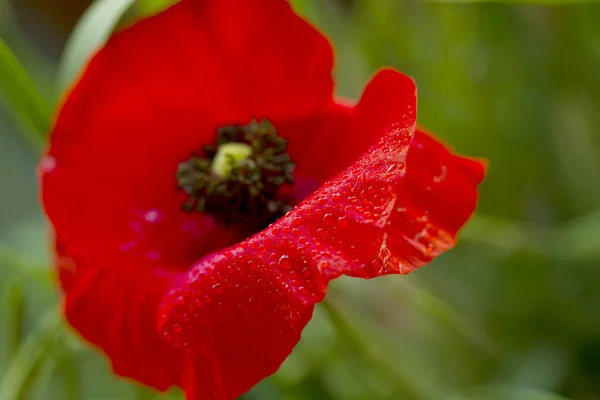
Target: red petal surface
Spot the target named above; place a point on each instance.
(128, 256)
(241, 311)
(238, 314)
(156, 93)
(112, 302)
(398, 207)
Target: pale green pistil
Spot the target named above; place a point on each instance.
(229, 155)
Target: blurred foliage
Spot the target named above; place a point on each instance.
(91, 31)
(511, 313)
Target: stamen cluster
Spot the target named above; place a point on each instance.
(249, 193)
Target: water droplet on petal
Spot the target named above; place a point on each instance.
(328, 219)
(152, 216)
(285, 263)
(47, 164)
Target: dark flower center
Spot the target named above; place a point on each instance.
(239, 180)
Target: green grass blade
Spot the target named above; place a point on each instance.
(22, 98)
(150, 7)
(506, 393)
(21, 371)
(11, 309)
(93, 29)
(69, 372)
(411, 292)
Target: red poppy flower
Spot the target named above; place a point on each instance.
(192, 273)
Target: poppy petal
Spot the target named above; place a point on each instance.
(277, 62)
(398, 206)
(241, 311)
(113, 305)
(156, 93)
(409, 201)
(233, 316)
(238, 316)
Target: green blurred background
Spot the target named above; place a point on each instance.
(512, 313)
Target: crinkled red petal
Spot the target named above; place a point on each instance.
(238, 315)
(112, 303)
(241, 311)
(108, 188)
